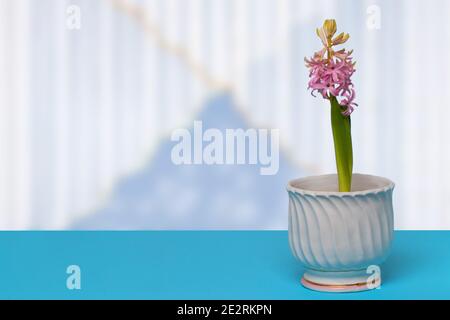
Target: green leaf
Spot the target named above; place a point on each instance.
(342, 136)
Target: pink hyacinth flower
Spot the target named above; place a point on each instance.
(330, 71)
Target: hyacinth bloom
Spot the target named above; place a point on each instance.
(330, 73)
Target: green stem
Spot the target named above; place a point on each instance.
(341, 126)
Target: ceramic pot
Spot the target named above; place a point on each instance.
(341, 238)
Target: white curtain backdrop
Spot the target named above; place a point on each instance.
(81, 109)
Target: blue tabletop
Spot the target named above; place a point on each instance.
(200, 265)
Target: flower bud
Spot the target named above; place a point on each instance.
(321, 34)
(341, 38)
(329, 26)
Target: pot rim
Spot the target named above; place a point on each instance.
(389, 185)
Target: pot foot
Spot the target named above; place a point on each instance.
(347, 281)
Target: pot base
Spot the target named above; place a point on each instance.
(347, 281)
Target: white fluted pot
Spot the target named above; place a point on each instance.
(341, 237)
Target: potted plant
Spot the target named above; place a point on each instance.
(340, 225)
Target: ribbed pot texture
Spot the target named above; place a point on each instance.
(333, 231)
